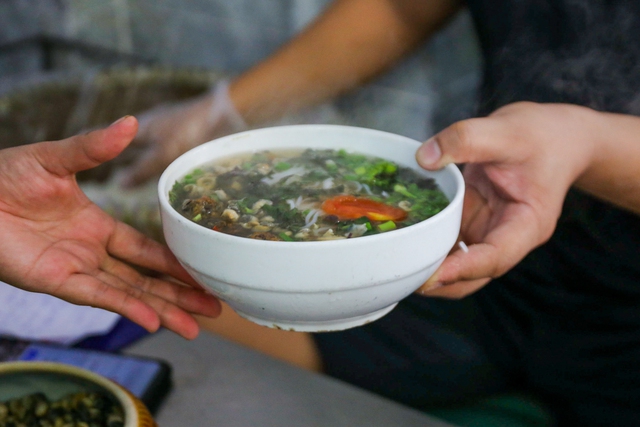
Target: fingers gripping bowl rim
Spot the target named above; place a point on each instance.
(313, 286)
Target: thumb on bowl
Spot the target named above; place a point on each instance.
(467, 141)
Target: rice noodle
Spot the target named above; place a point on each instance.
(307, 218)
(327, 183)
(321, 230)
(293, 178)
(311, 217)
(295, 204)
(276, 177)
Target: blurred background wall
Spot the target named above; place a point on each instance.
(429, 90)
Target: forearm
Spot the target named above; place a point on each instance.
(613, 173)
(352, 42)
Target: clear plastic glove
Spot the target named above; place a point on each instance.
(168, 131)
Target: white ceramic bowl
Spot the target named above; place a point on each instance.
(312, 286)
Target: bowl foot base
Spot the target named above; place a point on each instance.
(320, 326)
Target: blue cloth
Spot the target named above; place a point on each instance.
(124, 333)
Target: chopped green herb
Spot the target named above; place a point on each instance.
(399, 188)
(387, 226)
(285, 237)
(282, 166)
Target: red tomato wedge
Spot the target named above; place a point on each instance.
(351, 207)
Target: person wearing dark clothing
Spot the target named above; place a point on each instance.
(547, 298)
(564, 322)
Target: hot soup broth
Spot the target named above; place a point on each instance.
(306, 195)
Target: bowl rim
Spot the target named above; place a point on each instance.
(163, 198)
(122, 396)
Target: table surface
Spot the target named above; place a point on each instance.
(220, 383)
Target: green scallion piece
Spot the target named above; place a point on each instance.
(282, 166)
(285, 237)
(399, 188)
(197, 217)
(387, 226)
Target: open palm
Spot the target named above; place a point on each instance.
(56, 241)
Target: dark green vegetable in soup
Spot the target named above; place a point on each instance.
(308, 195)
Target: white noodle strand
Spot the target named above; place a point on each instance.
(311, 217)
(276, 177)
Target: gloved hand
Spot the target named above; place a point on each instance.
(168, 131)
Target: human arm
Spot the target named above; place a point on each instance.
(56, 241)
(519, 165)
(350, 43)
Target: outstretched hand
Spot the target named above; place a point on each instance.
(56, 241)
(519, 164)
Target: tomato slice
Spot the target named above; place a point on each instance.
(351, 207)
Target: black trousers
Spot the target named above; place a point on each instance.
(431, 352)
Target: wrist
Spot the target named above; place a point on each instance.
(577, 132)
(592, 126)
(223, 110)
(612, 173)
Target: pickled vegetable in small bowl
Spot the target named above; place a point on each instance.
(52, 394)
